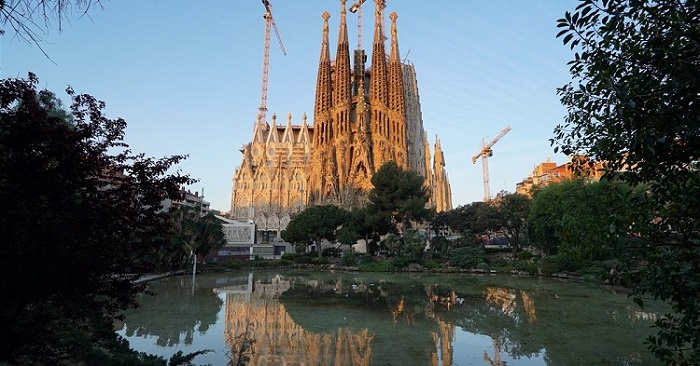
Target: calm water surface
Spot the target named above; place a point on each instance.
(305, 318)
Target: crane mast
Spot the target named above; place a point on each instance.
(484, 154)
(357, 8)
(269, 25)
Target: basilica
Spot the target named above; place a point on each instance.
(364, 116)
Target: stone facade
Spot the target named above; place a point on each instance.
(363, 118)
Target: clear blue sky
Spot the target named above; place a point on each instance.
(186, 76)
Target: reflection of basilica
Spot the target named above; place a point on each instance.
(507, 299)
(260, 331)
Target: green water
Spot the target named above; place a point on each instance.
(306, 318)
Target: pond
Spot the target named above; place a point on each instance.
(310, 318)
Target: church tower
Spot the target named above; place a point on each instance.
(362, 118)
(356, 133)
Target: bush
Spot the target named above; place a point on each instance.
(349, 258)
(290, 256)
(524, 255)
(319, 260)
(384, 266)
(303, 259)
(498, 250)
(569, 262)
(524, 266)
(548, 266)
(331, 252)
(467, 257)
(431, 264)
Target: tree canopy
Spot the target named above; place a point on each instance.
(398, 196)
(633, 104)
(80, 211)
(315, 224)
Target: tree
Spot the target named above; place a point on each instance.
(575, 218)
(464, 219)
(26, 17)
(633, 104)
(398, 196)
(79, 212)
(360, 224)
(513, 210)
(192, 235)
(315, 224)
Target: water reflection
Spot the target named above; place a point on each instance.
(188, 312)
(383, 319)
(255, 315)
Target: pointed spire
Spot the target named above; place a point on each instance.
(378, 88)
(288, 131)
(304, 132)
(343, 36)
(396, 96)
(259, 130)
(272, 136)
(342, 96)
(439, 157)
(395, 55)
(324, 93)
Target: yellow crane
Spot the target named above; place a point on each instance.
(269, 25)
(485, 153)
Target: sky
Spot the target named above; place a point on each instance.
(187, 76)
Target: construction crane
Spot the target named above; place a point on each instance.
(485, 153)
(357, 8)
(269, 25)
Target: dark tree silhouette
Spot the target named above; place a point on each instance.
(80, 212)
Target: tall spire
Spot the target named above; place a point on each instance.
(396, 97)
(341, 94)
(324, 93)
(439, 157)
(397, 106)
(378, 86)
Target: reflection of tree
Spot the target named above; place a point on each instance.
(275, 338)
(332, 318)
(508, 300)
(174, 313)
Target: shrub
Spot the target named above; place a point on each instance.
(467, 257)
(290, 256)
(384, 266)
(548, 266)
(349, 258)
(524, 266)
(303, 259)
(431, 264)
(331, 252)
(524, 255)
(319, 260)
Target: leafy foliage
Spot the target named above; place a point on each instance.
(80, 211)
(634, 105)
(315, 224)
(360, 224)
(580, 219)
(398, 196)
(191, 234)
(467, 257)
